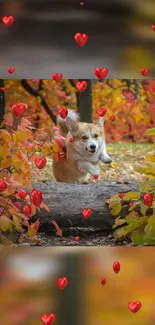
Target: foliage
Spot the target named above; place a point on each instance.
(139, 223)
(131, 101)
(19, 150)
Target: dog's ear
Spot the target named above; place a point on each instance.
(72, 125)
(101, 121)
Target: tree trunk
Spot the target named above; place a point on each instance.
(66, 202)
(2, 101)
(84, 100)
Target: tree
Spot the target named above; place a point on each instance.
(2, 100)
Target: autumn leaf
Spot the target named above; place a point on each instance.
(8, 119)
(115, 206)
(5, 223)
(33, 229)
(58, 230)
(43, 205)
(17, 223)
(131, 196)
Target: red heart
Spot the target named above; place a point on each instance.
(144, 72)
(81, 39)
(77, 238)
(8, 20)
(40, 162)
(27, 210)
(112, 118)
(22, 194)
(11, 70)
(48, 319)
(18, 109)
(3, 185)
(95, 176)
(81, 85)
(101, 111)
(63, 112)
(36, 197)
(87, 213)
(103, 281)
(71, 140)
(148, 199)
(2, 88)
(81, 3)
(62, 283)
(121, 195)
(101, 73)
(116, 267)
(134, 306)
(136, 214)
(57, 76)
(153, 27)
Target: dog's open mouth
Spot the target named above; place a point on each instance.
(92, 151)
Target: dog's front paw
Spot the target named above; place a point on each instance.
(106, 159)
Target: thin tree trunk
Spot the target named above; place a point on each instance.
(85, 103)
(2, 101)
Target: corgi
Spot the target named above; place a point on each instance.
(84, 147)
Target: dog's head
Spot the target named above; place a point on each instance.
(88, 137)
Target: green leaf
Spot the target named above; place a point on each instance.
(131, 196)
(137, 237)
(149, 240)
(5, 223)
(118, 222)
(130, 218)
(148, 186)
(151, 131)
(143, 208)
(115, 206)
(17, 223)
(4, 241)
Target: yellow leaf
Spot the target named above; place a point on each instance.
(115, 206)
(115, 164)
(5, 136)
(4, 151)
(55, 147)
(5, 162)
(39, 100)
(151, 131)
(20, 136)
(17, 223)
(131, 196)
(5, 223)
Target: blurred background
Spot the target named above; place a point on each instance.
(41, 39)
(29, 289)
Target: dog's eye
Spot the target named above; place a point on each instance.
(84, 137)
(95, 135)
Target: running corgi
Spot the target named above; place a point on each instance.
(84, 147)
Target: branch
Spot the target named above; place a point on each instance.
(36, 94)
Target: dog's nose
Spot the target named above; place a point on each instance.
(93, 147)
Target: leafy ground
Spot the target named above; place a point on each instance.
(124, 156)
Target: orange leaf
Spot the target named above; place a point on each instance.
(8, 119)
(58, 230)
(43, 205)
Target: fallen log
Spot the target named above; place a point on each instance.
(66, 202)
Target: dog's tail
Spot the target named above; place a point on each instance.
(61, 123)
